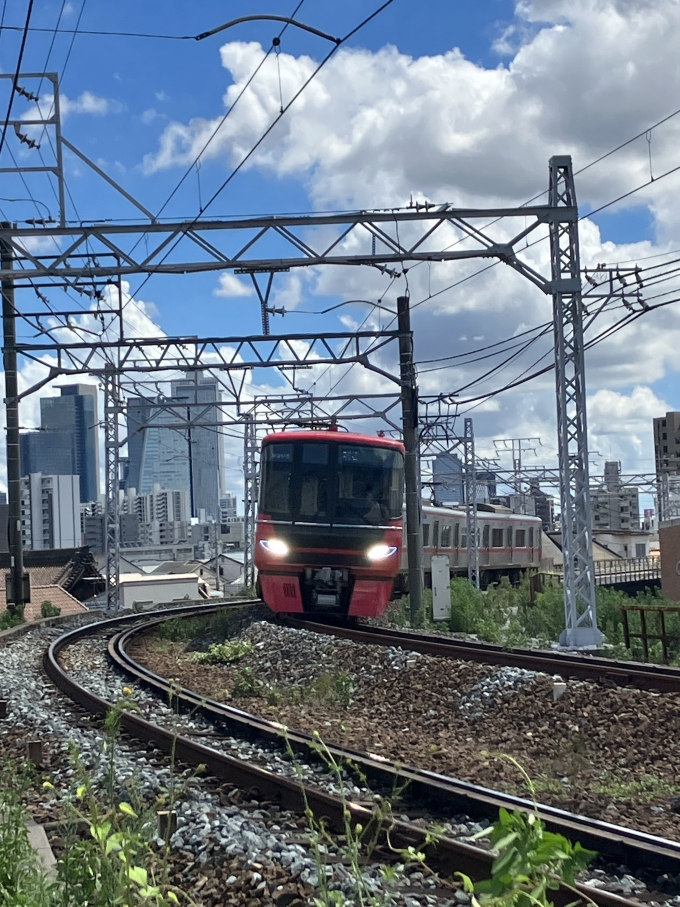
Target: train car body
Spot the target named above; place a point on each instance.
(330, 529)
(508, 543)
(330, 525)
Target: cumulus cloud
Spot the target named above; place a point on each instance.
(374, 129)
(230, 286)
(88, 102)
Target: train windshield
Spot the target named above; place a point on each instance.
(317, 482)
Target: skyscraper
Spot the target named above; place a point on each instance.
(178, 447)
(67, 442)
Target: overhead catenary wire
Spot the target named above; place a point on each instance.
(22, 48)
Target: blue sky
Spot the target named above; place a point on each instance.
(475, 127)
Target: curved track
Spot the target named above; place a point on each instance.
(633, 848)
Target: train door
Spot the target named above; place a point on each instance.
(486, 544)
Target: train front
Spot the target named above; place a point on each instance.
(329, 527)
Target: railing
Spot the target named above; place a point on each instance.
(658, 615)
(627, 570)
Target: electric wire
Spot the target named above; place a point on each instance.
(271, 126)
(22, 48)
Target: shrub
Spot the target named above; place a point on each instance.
(47, 609)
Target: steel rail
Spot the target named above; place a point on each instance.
(622, 845)
(446, 855)
(659, 678)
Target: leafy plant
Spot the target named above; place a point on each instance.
(226, 652)
(47, 609)
(246, 684)
(529, 861)
(11, 618)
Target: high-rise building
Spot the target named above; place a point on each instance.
(615, 506)
(163, 452)
(667, 443)
(228, 508)
(201, 393)
(448, 474)
(50, 511)
(67, 441)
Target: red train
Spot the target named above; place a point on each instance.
(330, 526)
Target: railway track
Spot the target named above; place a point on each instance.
(621, 845)
(658, 678)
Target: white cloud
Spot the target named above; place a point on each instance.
(230, 286)
(88, 102)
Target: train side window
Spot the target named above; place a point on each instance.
(509, 537)
(485, 537)
(463, 538)
(456, 535)
(435, 534)
(496, 538)
(520, 538)
(426, 534)
(531, 537)
(446, 536)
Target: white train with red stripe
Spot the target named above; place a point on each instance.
(330, 536)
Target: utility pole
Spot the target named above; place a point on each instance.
(409, 408)
(112, 409)
(18, 588)
(517, 446)
(249, 497)
(471, 504)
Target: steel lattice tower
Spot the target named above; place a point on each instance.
(579, 587)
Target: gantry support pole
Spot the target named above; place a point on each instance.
(249, 498)
(581, 629)
(18, 589)
(112, 408)
(414, 504)
(471, 504)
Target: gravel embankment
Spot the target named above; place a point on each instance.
(607, 752)
(230, 848)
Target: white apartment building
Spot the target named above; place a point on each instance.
(50, 511)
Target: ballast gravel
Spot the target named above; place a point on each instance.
(229, 848)
(599, 750)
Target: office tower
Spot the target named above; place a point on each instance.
(68, 440)
(50, 511)
(175, 443)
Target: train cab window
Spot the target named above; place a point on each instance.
(485, 537)
(456, 535)
(277, 470)
(520, 538)
(508, 537)
(496, 538)
(446, 536)
(531, 537)
(426, 534)
(314, 482)
(370, 484)
(435, 534)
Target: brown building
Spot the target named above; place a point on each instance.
(669, 545)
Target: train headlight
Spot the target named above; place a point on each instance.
(380, 552)
(275, 546)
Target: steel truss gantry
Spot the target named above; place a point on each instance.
(87, 255)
